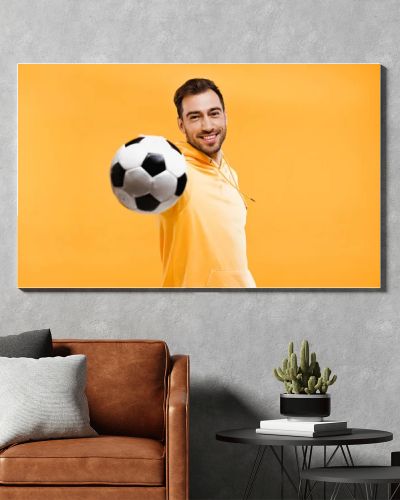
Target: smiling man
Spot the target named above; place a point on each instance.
(203, 239)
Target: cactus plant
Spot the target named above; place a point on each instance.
(305, 377)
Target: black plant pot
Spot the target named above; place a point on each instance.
(309, 406)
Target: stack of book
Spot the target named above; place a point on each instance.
(285, 427)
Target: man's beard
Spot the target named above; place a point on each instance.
(211, 150)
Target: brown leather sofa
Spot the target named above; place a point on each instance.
(138, 401)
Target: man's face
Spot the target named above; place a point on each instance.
(203, 122)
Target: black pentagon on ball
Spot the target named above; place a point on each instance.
(147, 203)
(154, 164)
(117, 175)
(174, 147)
(134, 141)
(180, 187)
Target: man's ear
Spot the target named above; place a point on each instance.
(180, 125)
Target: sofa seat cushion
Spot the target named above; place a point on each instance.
(107, 460)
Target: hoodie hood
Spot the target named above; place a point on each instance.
(197, 158)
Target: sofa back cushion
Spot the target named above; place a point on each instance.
(32, 344)
(126, 384)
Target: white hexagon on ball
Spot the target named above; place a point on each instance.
(164, 186)
(132, 156)
(137, 182)
(125, 199)
(155, 143)
(175, 164)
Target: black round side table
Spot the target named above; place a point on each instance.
(369, 476)
(303, 449)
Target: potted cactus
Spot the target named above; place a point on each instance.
(306, 386)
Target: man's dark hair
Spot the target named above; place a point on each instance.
(193, 87)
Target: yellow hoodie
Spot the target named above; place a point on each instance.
(202, 237)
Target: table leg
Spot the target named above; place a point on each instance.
(350, 463)
(391, 496)
(256, 466)
(349, 454)
(350, 492)
(254, 470)
(372, 491)
(324, 466)
(344, 456)
(297, 460)
(307, 450)
(335, 491)
(281, 473)
(283, 468)
(300, 496)
(331, 457)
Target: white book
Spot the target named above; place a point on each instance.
(280, 432)
(303, 425)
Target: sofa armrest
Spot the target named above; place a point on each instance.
(177, 431)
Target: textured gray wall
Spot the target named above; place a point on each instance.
(234, 339)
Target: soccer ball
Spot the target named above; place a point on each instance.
(148, 174)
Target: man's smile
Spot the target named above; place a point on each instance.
(209, 138)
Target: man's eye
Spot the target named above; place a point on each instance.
(194, 118)
(215, 113)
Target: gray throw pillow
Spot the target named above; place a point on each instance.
(33, 344)
(43, 399)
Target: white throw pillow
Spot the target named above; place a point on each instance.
(43, 399)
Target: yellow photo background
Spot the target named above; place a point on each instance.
(304, 139)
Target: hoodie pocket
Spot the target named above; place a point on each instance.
(230, 279)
